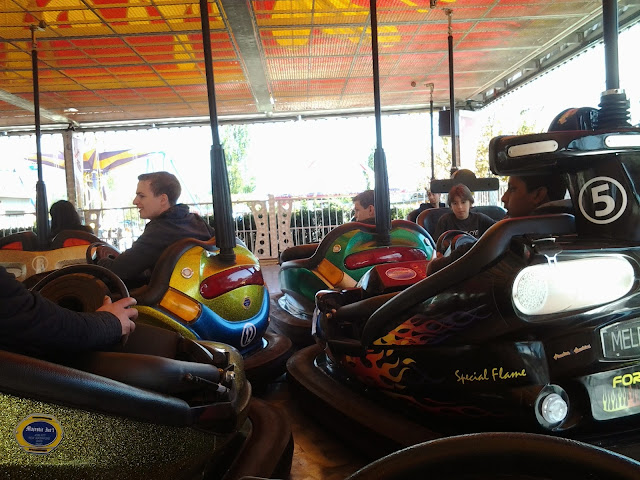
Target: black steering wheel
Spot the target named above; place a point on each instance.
(81, 288)
(502, 455)
(447, 241)
(99, 250)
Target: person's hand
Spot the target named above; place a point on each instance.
(121, 310)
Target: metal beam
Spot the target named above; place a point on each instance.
(27, 105)
(239, 19)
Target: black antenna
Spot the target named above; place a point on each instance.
(382, 203)
(42, 208)
(614, 105)
(452, 98)
(222, 209)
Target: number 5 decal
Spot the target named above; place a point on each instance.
(602, 203)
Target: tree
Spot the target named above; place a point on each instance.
(493, 128)
(235, 141)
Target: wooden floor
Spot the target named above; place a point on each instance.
(317, 454)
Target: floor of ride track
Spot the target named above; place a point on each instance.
(318, 455)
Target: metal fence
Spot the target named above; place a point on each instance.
(267, 227)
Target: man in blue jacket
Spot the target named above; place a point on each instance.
(156, 198)
(33, 325)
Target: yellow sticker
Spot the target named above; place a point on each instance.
(38, 433)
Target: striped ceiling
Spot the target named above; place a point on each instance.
(132, 60)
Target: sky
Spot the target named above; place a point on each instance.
(330, 155)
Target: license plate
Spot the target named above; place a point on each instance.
(614, 394)
(621, 340)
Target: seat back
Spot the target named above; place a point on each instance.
(495, 212)
(26, 241)
(601, 169)
(428, 219)
(72, 238)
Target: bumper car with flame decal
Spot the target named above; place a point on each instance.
(162, 406)
(536, 328)
(339, 261)
(194, 293)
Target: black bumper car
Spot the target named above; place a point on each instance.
(534, 329)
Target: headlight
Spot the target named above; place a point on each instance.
(571, 284)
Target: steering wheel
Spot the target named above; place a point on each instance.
(99, 250)
(447, 241)
(81, 288)
(502, 455)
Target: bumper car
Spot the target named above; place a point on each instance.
(161, 406)
(339, 261)
(534, 329)
(194, 293)
(502, 455)
(20, 255)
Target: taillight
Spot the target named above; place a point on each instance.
(230, 279)
(376, 256)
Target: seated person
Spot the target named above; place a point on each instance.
(156, 198)
(434, 202)
(64, 216)
(363, 204)
(32, 325)
(460, 201)
(523, 196)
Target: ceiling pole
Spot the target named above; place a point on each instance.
(431, 86)
(42, 208)
(455, 163)
(382, 204)
(222, 209)
(614, 105)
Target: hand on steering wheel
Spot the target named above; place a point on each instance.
(99, 250)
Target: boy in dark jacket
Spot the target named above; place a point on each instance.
(156, 198)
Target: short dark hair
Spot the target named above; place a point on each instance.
(554, 184)
(462, 191)
(365, 198)
(163, 182)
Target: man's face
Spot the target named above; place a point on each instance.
(149, 205)
(460, 208)
(434, 198)
(363, 213)
(518, 201)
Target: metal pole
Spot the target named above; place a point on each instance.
(433, 161)
(42, 208)
(222, 209)
(382, 202)
(452, 98)
(610, 36)
(614, 104)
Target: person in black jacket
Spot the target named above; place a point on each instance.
(32, 325)
(460, 201)
(156, 198)
(434, 202)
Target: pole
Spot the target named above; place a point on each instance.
(382, 202)
(222, 210)
(614, 104)
(42, 208)
(433, 159)
(452, 98)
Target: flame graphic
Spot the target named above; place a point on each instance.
(422, 330)
(620, 399)
(382, 369)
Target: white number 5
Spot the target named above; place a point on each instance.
(598, 196)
